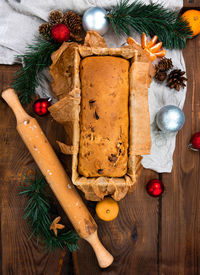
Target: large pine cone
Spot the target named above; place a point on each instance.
(176, 80)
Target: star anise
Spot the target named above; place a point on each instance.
(55, 225)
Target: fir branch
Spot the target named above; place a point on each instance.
(36, 58)
(152, 19)
(37, 214)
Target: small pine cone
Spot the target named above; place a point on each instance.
(78, 37)
(160, 76)
(56, 17)
(176, 80)
(73, 21)
(45, 30)
(164, 65)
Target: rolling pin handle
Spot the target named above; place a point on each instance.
(12, 100)
(104, 258)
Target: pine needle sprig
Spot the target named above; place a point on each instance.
(36, 58)
(37, 214)
(153, 19)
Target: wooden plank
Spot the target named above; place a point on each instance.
(180, 242)
(150, 236)
(19, 255)
(132, 238)
(192, 4)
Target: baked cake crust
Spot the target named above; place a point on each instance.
(104, 117)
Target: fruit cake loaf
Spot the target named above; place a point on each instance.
(104, 117)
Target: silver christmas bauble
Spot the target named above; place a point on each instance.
(170, 119)
(94, 19)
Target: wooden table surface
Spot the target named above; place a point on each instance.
(150, 236)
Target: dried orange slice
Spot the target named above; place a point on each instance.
(107, 209)
(144, 40)
(152, 48)
(152, 41)
(156, 47)
(151, 56)
(161, 53)
(132, 41)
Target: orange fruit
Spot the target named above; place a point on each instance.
(193, 19)
(107, 209)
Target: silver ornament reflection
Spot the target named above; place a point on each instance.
(170, 119)
(94, 19)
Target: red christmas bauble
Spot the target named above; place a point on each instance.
(196, 141)
(60, 33)
(155, 188)
(40, 106)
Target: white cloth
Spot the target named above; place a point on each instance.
(19, 22)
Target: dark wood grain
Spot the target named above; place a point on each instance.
(150, 236)
(19, 255)
(131, 238)
(191, 4)
(180, 242)
(173, 245)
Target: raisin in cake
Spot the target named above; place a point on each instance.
(104, 117)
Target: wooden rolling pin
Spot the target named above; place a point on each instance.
(58, 180)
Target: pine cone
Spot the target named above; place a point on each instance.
(164, 65)
(160, 76)
(56, 17)
(73, 21)
(45, 30)
(77, 37)
(176, 80)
